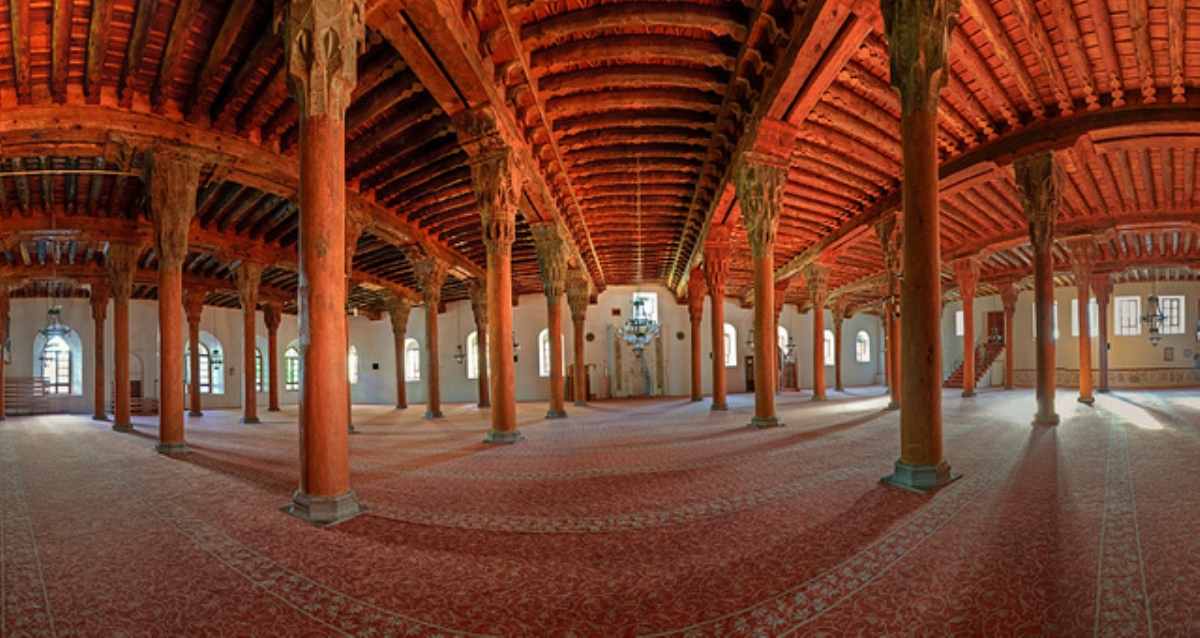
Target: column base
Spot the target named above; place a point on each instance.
(1045, 420)
(892, 405)
(351, 430)
(1103, 390)
(921, 479)
(323, 511)
(273, 408)
(483, 405)
(697, 399)
(720, 406)
(763, 423)
(1010, 387)
(1086, 400)
(401, 406)
(122, 427)
(839, 389)
(967, 395)
(434, 414)
(195, 413)
(174, 448)
(556, 414)
(581, 404)
(249, 420)
(99, 417)
(496, 436)
(818, 397)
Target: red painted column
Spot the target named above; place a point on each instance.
(716, 271)
(431, 273)
(818, 290)
(1040, 184)
(174, 180)
(891, 242)
(967, 271)
(497, 181)
(778, 361)
(99, 302)
(839, 317)
(193, 308)
(1008, 297)
(122, 264)
(1102, 287)
(696, 291)
(552, 260)
(478, 292)
(579, 288)
(272, 317)
(1083, 261)
(321, 41)
(4, 323)
(918, 38)
(249, 275)
(399, 309)
(354, 231)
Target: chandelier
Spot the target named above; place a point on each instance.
(1155, 319)
(641, 328)
(54, 325)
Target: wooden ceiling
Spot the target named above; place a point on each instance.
(627, 116)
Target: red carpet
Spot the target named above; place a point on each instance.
(653, 517)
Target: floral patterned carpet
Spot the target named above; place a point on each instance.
(629, 518)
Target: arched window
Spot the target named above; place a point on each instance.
(258, 370)
(352, 365)
(730, 346)
(783, 338)
(544, 353)
(211, 379)
(412, 360)
(291, 369)
(830, 351)
(862, 347)
(56, 365)
(473, 355)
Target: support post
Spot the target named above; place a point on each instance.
(1083, 261)
(4, 343)
(1102, 287)
(99, 301)
(193, 308)
(1040, 184)
(399, 309)
(967, 272)
(478, 292)
(891, 241)
(431, 273)
(552, 261)
(354, 231)
(1008, 297)
(249, 275)
(839, 317)
(122, 264)
(579, 292)
(696, 291)
(322, 40)
(272, 317)
(818, 291)
(918, 34)
(716, 271)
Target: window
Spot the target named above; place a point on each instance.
(862, 347)
(650, 303)
(473, 355)
(258, 368)
(1093, 318)
(544, 353)
(1171, 308)
(830, 350)
(730, 346)
(291, 369)
(959, 326)
(56, 366)
(206, 367)
(1127, 316)
(352, 365)
(412, 360)
(1053, 315)
(783, 339)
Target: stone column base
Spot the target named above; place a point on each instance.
(272, 409)
(892, 405)
(350, 429)
(174, 448)
(556, 414)
(323, 511)
(967, 395)
(1046, 420)
(921, 479)
(762, 423)
(818, 397)
(496, 436)
(192, 413)
(433, 415)
(1104, 390)
(123, 427)
(1086, 400)
(483, 405)
(251, 420)
(581, 404)
(99, 417)
(696, 399)
(720, 406)
(401, 406)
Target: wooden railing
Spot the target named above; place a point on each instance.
(26, 395)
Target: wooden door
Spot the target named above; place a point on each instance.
(749, 373)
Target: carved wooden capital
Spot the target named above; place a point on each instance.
(174, 183)
(552, 259)
(781, 288)
(818, 284)
(479, 132)
(1040, 184)
(579, 293)
(322, 40)
(966, 271)
(1008, 297)
(918, 36)
(497, 184)
(431, 274)
(1102, 288)
(273, 315)
(101, 291)
(193, 304)
(354, 232)
(891, 241)
(249, 276)
(841, 312)
(716, 266)
(122, 265)
(760, 182)
(696, 292)
(477, 289)
(1082, 251)
(398, 310)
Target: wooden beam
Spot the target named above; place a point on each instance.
(1176, 36)
(1106, 41)
(177, 39)
(981, 13)
(60, 49)
(1139, 24)
(98, 34)
(138, 37)
(18, 13)
(1031, 22)
(203, 93)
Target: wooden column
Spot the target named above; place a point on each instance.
(322, 40)
(918, 43)
(967, 272)
(1040, 184)
(781, 288)
(496, 178)
(272, 316)
(1102, 288)
(818, 291)
(579, 292)
(716, 271)
(1008, 297)
(552, 261)
(174, 181)
(696, 291)
(354, 231)
(399, 309)
(478, 292)
(121, 265)
(4, 340)
(891, 242)
(249, 275)
(193, 308)
(1083, 261)
(431, 274)
(760, 177)
(839, 317)
(99, 301)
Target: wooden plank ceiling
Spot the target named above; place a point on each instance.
(629, 115)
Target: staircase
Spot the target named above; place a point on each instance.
(985, 356)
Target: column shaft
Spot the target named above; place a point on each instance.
(272, 317)
(1083, 259)
(1008, 297)
(1040, 184)
(716, 271)
(99, 303)
(193, 303)
(578, 297)
(4, 338)
(818, 282)
(967, 271)
(399, 309)
(478, 292)
(554, 317)
(1102, 285)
